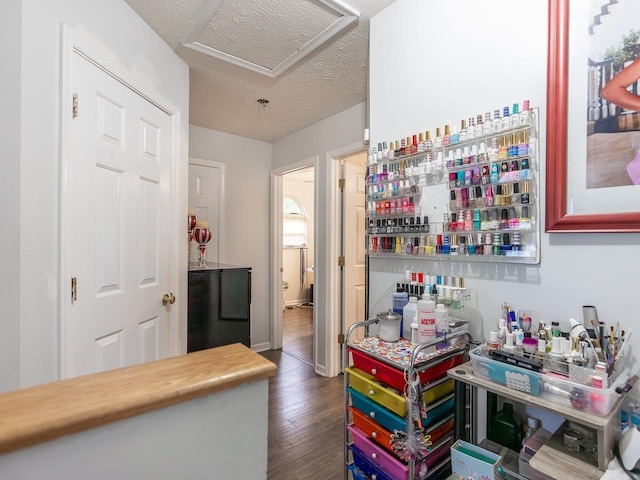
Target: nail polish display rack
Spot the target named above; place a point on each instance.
(474, 200)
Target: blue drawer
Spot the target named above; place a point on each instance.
(438, 411)
(365, 466)
(375, 411)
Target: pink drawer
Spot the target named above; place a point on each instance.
(390, 465)
(394, 377)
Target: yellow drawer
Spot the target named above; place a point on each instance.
(378, 392)
(438, 391)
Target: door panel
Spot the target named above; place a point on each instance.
(118, 214)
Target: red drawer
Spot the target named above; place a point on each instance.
(394, 377)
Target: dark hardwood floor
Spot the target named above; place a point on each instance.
(306, 415)
(297, 333)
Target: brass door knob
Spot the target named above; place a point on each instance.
(168, 298)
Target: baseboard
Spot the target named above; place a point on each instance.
(261, 347)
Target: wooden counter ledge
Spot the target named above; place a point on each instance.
(44, 412)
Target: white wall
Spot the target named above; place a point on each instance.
(10, 34)
(32, 275)
(342, 131)
(462, 58)
(246, 233)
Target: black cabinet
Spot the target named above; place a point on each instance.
(219, 306)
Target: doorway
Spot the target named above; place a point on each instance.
(298, 214)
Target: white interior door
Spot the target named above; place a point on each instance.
(205, 198)
(354, 240)
(117, 225)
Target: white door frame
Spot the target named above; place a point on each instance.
(276, 257)
(92, 50)
(327, 250)
(221, 217)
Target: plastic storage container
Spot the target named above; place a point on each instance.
(555, 388)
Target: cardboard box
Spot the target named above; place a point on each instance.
(471, 461)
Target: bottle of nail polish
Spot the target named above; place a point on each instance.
(476, 222)
(487, 129)
(492, 152)
(503, 151)
(496, 124)
(506, 196)
(464, 201)
(446, 246)
(445, 222)
(452, 196)
(514, 121)
(494, 224)
(513, 146)
(468, 175)
(524, 115)
(460, 178)
(506, 244)
(392, 152)
(412, 206)
(494, 176)
(488, 197)
(479, 130)
(515, 241)
(485, 178)
(437, 142)
(403, 147)
(497, 243)
(523, 145)
(471, 247)
(506, 121)
(525, 220)
(473, 155)
(466, 156)
(514, 221)
(475, 176)
(479, 244)
(515, 195)
(524, 163)
(479, 199)
(461, 221)
(497, 196)
(524, 197)
(468, 223)
(437, 165)
(504, 219)
(485, 224)
(455, 136)
(446, 138)
(453, 250)
(428, 144)
(471, 129)
(414, 145)
(488, 247)
(421, 143)
(464, 132)
(425, 224)
(428, 165)
(458, 157)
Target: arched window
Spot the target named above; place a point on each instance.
(294, 223)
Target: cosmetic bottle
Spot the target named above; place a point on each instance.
(496, 124)
(437, 142)
(504, 219)
(479, 130)
(487, 128)
(426, 319)
(524, 197)
(524, 115)
(420, 146)
(503, 151)
(414, 145)
(428, 144)
(485, 178)
(505, 428)
(454, 247)
(464, 201)
(488, 247)
(485, 223)
(506, 244)
(479, 245)
(412, 206)
(524, 164)
(446, 138)
(457, 157)
(506, 196)
(471, 129)
(497, 243)
(513, 146)
(494, 223)
(464, 133)
(525, 220)
(449, 163)
(514, 221)
(425, 224)
(403, 148)
(492, 151)
(445, 222)
(494, 175)
(455, 136)
(461, 220)
(502, 331)
(514, 121)
(497, 196)
(468, 175)
(506, 121)
(453, 224)
(509, 346)
(468, 223)
(452, 197)
(516, 245)
(479, 203)
(476, 222)
(488, 197)
(410, 146)
(460, 178)
(474, 155)
(437, 165)
(466, 156)
(446, 246)
(523, 145)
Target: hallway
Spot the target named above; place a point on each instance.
(306, 422)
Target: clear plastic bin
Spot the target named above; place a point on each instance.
(553, 387)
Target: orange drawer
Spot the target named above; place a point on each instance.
(438, 431)
(380, 393)
(372, 429)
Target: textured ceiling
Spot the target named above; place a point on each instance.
(223, 95)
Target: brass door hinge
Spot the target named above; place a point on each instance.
(75, 106)
(74, 289)
(340, 338)
(341, 261)
(342, 183)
